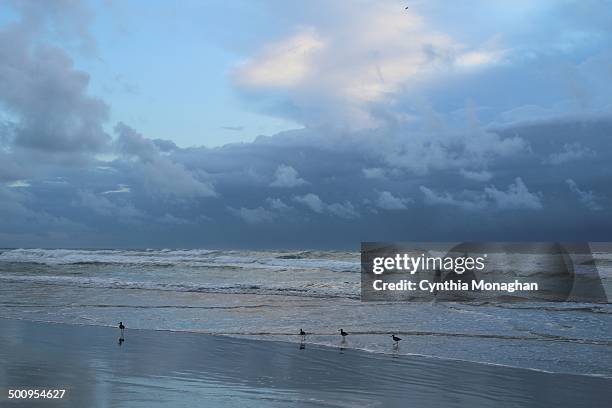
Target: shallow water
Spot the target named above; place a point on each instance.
(157, 368)
(271, 295)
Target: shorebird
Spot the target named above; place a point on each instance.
(343, 333)
(396, 339)
(121, 327)
(302, 333)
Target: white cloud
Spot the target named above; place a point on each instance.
(587, 198)
(122, 188)
(476, 175)
(570, 152)
(374, 173)
(472, 202)
(314, 203)
(371, 52)
(478, 58)
(277, 204)
(18, 184)
(388, 201)
(517, 196)
(448, 148)
(284, 63)
(286, 176)
(260, 214)
(311, 201)
(343, 210)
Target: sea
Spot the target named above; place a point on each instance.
(271, 295)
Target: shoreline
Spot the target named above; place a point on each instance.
(278, 339)
(181, 369)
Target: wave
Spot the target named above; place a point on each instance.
(332, 261)
(120, 306)
(320, 290)
(554, 308)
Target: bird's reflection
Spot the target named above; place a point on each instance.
(302, 345)
(343, 341)
(120, 341)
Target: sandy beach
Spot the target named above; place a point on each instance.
(180, 369)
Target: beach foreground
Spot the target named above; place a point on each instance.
(179, 369)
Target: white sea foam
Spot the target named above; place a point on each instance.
(304, 290)
(187, 258)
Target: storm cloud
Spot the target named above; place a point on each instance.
(43, 94)
(443, 138)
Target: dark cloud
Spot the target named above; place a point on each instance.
(164, 145)
(150, 197)
(43, 94)
(103, 205)
(10, 169)
(158, 173)
(252, 215)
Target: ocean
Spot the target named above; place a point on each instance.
(271, 295)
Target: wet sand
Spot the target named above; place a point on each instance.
(178, 369)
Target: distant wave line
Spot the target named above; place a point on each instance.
(146, 306)
(252, 289)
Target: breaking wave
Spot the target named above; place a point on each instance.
(334, 261)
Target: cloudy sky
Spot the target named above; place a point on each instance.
(269, 124)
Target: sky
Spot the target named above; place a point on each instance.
(274, 124)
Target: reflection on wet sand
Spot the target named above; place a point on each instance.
(163, 368)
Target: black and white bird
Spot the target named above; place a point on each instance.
(121, 327)
(302, 333)
(396, 339)
(343, 333)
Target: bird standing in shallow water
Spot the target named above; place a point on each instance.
(396, 340)
(343, 333)
(121, 327)
(302, 333)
